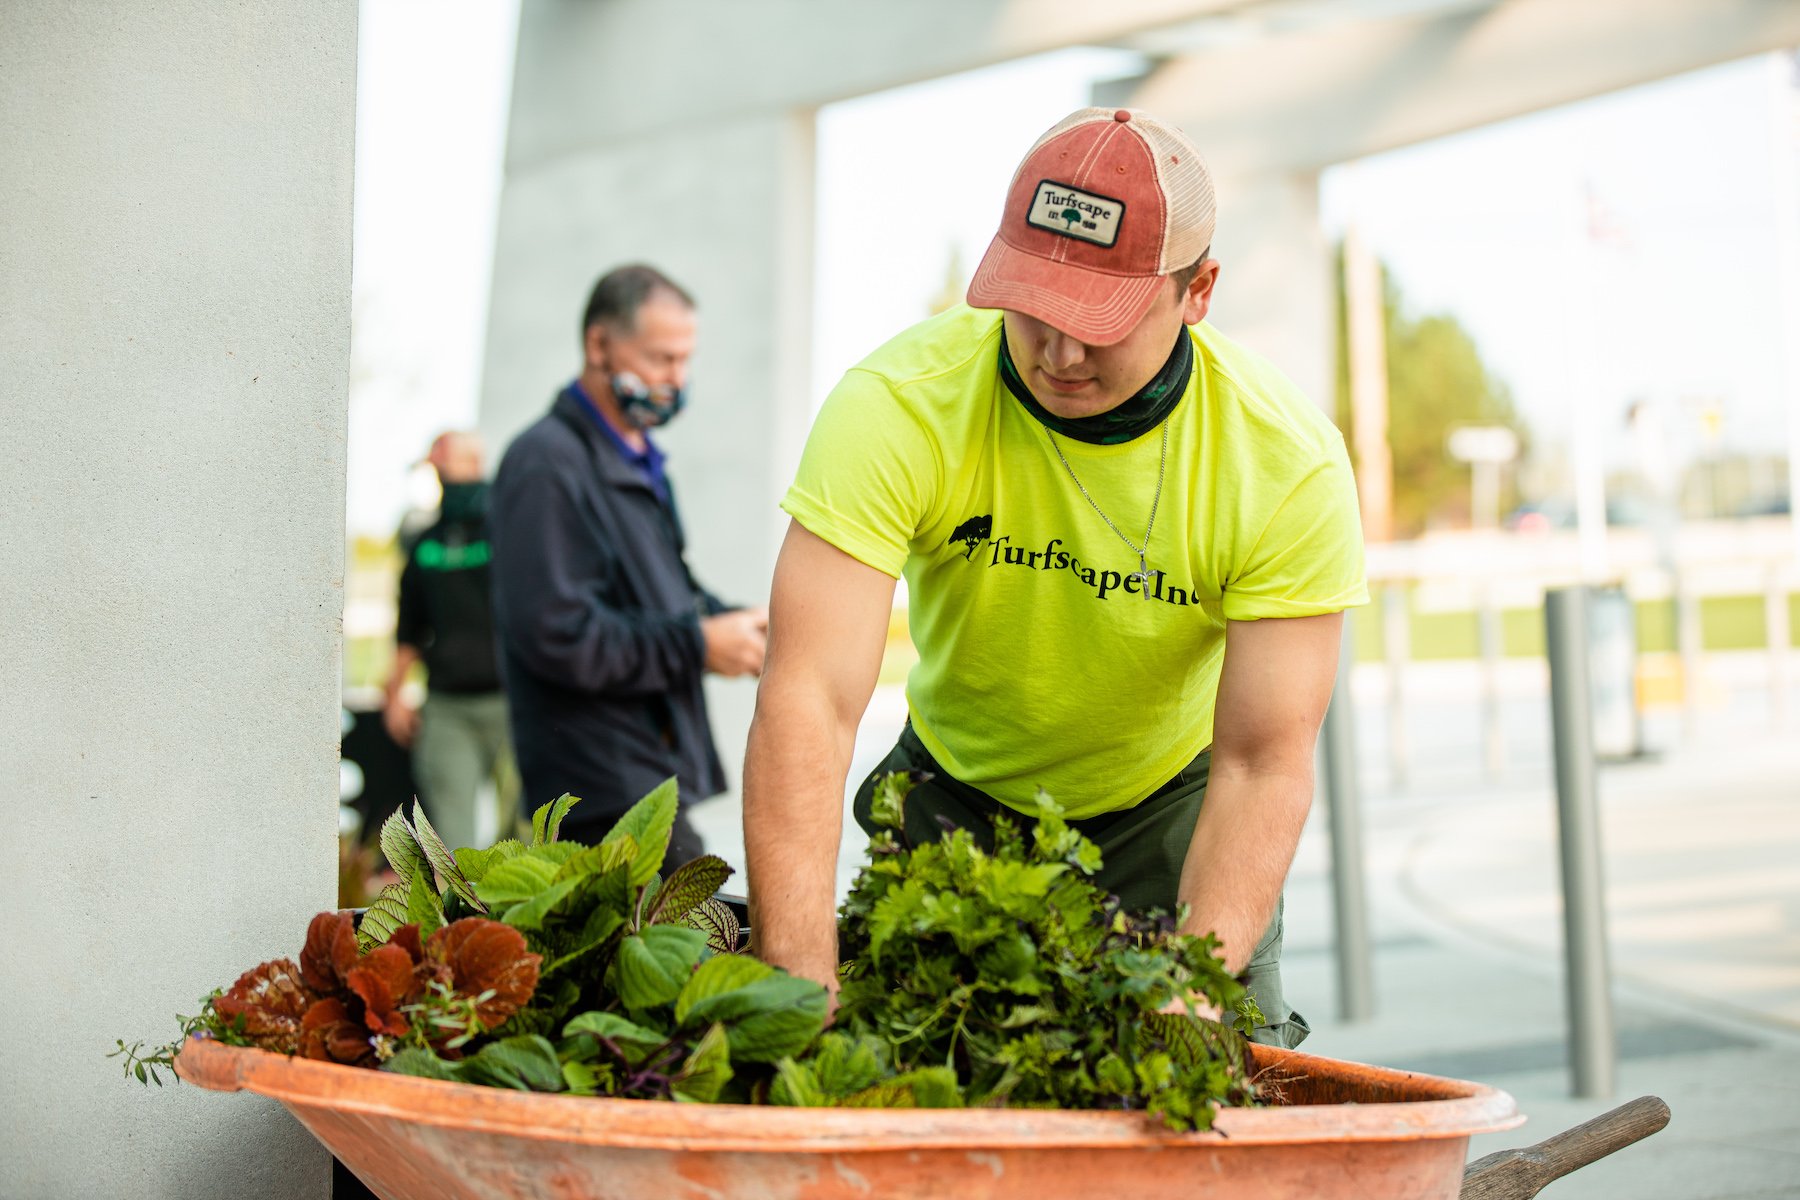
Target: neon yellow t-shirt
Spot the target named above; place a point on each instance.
(1040, 663)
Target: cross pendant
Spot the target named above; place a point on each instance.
(1142, 575)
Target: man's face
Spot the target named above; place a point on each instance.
(457, 458)
(1073, 379)
(656, 349)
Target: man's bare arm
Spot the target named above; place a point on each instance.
(828, 616)
(1273, 691)
(401, 718)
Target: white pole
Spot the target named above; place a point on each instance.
(1585, 408)
(1779, 634)
(1784, 144)
(1365, 319)
(1396, 640)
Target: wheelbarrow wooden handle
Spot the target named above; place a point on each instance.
(1523, 1173)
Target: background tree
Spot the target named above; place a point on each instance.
(1436, 382)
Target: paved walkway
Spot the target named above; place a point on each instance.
(1703, 889)
(1703, 896)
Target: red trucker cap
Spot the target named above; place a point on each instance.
(1106, 203)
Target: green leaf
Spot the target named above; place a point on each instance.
(887, 807)
(1194, 1042)
(473, 863)
(844, 1065)
(516, 880)
(616, 1029)
(769, 1014)
(1027, 1014)
(422, 1063)
(582, 1079)
(423, 907)
(795, 1085)
(1113, 1075)
(652, 966)
(706, 1071)
(547, 821)
(386, 913)
(527, 1063)
(1247, 1015)
(687, 886)
(719, 976)
(401, 848)
(718, 922)
(531, 913)
(556, 853)
(598, 860)
(443, 860)
(927, 1087)
(601, 924)
(932, 1087)
(648, 822)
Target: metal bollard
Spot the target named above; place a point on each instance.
(1356, 988)
(1593, 1049)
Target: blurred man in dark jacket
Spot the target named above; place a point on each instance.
(604, 632)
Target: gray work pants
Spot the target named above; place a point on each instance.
(463, 744)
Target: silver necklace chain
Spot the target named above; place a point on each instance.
(1142, 575)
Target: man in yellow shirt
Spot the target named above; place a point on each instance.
(1127, 544)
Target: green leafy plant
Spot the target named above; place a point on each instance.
(642, 992)
(146, 1065)
(978, 976)
(1010, 968)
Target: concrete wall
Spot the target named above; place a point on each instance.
(174, 343)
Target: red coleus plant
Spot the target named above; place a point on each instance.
(343, 1006)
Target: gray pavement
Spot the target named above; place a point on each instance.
(1702, 864)
(1703, 890)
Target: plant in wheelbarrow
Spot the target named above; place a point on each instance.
(547, 967)
(986, 974)
(1006, 963)
(979, 975)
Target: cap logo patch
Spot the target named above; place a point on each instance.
(1075, 213)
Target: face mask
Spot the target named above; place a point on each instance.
(646, 407)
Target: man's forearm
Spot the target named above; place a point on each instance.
(1243, 845)
(799, 754)
(405, 656)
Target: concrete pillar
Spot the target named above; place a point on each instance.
(725, 209)
(1275, 287)
(174, 337)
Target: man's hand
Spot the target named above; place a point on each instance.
(1200, 1005)
(736, 641)
(401, 720)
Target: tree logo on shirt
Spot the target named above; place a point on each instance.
(972, 533)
